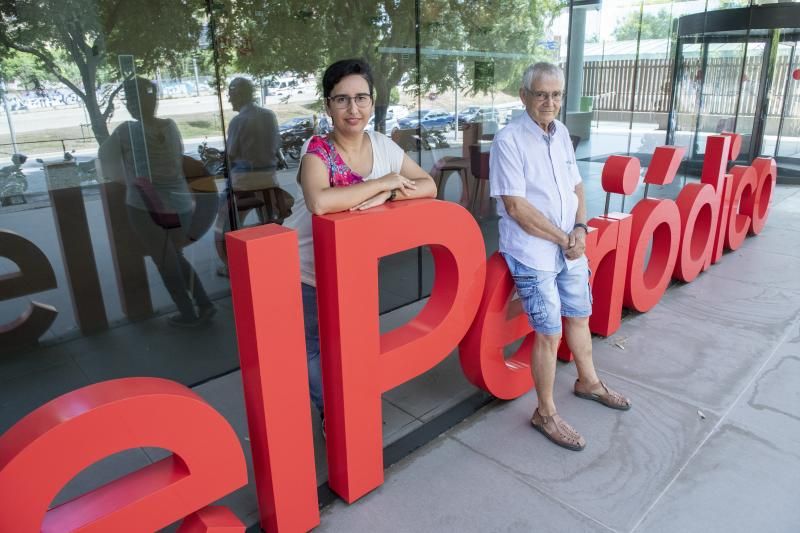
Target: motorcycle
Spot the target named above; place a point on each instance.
(292, 141)
(426, 139)
(87, 171)
(434, 139)
(13, 182)
(212, 158)
(282, 163)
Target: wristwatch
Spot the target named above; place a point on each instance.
(584, 226)
(392, 195)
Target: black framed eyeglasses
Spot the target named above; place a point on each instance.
(341, 101)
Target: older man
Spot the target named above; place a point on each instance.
(542, 237)
(253, 140)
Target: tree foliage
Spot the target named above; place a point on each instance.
(653, 26)
(264, 38)
(87, 36)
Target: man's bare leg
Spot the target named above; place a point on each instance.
(545, 419)
(579, 340)
(544, 370)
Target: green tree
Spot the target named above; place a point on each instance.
(16, 65)
(653, 26)
(266, 38)
(77, 41)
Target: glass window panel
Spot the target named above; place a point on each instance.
(111, 193)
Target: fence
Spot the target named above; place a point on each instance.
(612, 85)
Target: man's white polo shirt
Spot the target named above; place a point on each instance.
(539, 166)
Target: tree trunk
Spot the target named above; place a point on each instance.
(382, 94)
(96, 119)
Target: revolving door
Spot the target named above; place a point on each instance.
(738, 70)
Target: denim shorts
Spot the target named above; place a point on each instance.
(547, 296)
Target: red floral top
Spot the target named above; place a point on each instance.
(340, 175)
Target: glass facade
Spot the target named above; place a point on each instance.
(126, 151)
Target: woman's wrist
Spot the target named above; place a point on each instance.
(392, 195)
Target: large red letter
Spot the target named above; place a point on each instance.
(47, 448)
(499, 322)
(608, 259)
(699, 208)
(719, 149)
(724, 189)
(743, 192)
(358, 363)
(35, 274)
(757, 205)
(659, 220)
(265, 285)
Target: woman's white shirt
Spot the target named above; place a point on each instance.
(386, 157)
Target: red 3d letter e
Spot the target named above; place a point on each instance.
(46, 449)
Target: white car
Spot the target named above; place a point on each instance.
(391, 122)
(398, 111)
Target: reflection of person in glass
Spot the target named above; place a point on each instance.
(349, 169)
(253, 141)
(543, 239)
(148, 152)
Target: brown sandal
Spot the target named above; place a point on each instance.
(607, 397)
(558, 431)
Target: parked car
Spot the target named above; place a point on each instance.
(477, 114)
(297, 123)
(512, 113)
(430, 119)
(391, 122)
(467, 112)
(398, 111)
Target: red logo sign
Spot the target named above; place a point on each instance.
(468, 308)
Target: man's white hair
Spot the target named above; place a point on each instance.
(539, 70)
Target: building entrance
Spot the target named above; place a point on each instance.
(737, 70)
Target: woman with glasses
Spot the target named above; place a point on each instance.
(347, 169)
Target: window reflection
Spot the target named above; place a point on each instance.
(130, 207)
(146, 155)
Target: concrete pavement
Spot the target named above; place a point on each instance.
(711, 444)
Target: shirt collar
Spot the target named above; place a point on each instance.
(536, 129)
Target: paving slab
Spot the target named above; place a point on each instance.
(770, 407)
(703, 341)
(780, 239)
(446, 486)
(738, 482)
(628, 460)
(760, 266)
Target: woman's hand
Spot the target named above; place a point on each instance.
(379, 199)
(394, 181)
